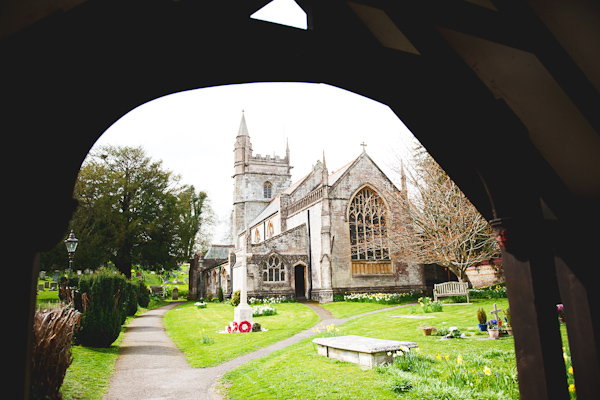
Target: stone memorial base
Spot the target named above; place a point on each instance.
(360, 350)
(243, 312)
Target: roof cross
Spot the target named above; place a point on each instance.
(363, 144)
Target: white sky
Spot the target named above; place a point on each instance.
(194, 132)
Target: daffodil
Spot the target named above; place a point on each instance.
(459, 360)
(487, 370)
(570, 370)
(446, 358)
(418, 350)
(389, 353)
(439, 357)
(572, 388)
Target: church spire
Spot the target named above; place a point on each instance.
(243, 131)
(325, 176)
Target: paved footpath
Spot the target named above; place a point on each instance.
(151, 367)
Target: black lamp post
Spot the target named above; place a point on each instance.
(71, 243)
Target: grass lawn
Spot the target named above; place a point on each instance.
(185, 323)
(309, 376)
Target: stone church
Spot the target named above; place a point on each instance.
(326, 233)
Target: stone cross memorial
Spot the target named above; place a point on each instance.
(243, 312)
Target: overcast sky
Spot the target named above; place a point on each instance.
(193, 132)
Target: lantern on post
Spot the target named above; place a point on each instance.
(71, 244)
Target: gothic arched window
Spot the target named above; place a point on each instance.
(273, 269)
(268, 190)
(368, 227)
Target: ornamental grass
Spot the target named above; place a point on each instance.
(53, 330)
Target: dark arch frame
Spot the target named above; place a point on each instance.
(78, 69)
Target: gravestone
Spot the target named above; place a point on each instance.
(40, 287)
(361, 350)
(55, 276)
(496, 311)
(53, 286)
(42, 274)
(175, 294)
(46, 284)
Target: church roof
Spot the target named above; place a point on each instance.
(218, 251)
(272, 208)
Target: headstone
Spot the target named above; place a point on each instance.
(175, 294)
(55, 276)
(179, 282)
(42, 274)
(53, 286)
(40, 287)
(46, 284)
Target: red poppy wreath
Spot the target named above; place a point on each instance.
(245, 326)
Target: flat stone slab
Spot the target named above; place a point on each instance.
(411, 316)
(360, 350)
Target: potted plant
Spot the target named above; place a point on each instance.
(482, 318)
(494, 328)
(507, 319)
(427, 330)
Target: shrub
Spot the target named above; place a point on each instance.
(209, 297)
(53, 330)
(256, 327)
(220, 295)
(131, 298)
(481, 315)
(235, 299)
(143, 294)
(103, 296)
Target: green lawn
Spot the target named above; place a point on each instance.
(185, 323)
(309, 376)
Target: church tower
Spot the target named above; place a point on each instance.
(256, 180)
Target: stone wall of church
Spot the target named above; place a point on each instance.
(403, 277)
(292, 247)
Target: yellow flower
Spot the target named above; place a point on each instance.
(570, 370)
(418, 350)
(565, 356)
(446, 357)
(459, 359)
(389, 353)
(439, 357)
(337, 330)
(572, 388)
(487, 370)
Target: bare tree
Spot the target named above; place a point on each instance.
(434, 222)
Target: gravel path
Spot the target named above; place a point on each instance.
(151, 367)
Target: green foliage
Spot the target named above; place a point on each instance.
(131, 210)
(497, 291)
(481, 315)
(143, 294)
(220, 294)
(101, 298)
(235, 299)
(428, 306)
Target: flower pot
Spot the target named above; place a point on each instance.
(427, 331)
(493, 333)
(482, 327)
(509, 330)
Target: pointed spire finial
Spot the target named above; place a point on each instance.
(324, 165)
(243, 131)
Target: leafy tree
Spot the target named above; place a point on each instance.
(437, 223)
(132, 210)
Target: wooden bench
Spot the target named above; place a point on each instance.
(450, 289)
(359, 349)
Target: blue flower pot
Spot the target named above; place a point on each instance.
(482, 327)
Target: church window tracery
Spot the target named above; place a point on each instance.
(273, 270)
(368, 227)
(267, 190)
